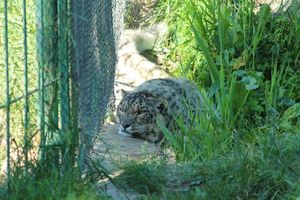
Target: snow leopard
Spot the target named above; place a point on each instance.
(163, 100)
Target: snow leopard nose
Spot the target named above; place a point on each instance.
(126, 123)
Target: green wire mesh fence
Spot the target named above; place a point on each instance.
(56, 76)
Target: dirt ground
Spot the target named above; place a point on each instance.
(115, 147)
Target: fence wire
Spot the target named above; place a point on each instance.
(58, 64)
(97, 26)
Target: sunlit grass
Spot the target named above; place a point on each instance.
(48, 184)
(16, 61)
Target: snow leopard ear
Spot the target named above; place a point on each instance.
(124, 93)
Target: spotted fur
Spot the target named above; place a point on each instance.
(163, 100)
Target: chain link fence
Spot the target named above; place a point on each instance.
(95, 60)
(57, 74)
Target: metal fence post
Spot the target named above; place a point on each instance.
(7, 95)
(48, 70)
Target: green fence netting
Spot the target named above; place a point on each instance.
(56, 77)
(95, 60)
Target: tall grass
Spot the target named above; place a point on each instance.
(247, 62)
(40, 183)
(59, 175)
(262, 171)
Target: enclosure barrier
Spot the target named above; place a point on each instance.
(57, 75)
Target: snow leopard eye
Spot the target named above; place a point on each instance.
(141, 112)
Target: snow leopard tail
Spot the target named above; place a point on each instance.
(140, 40)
